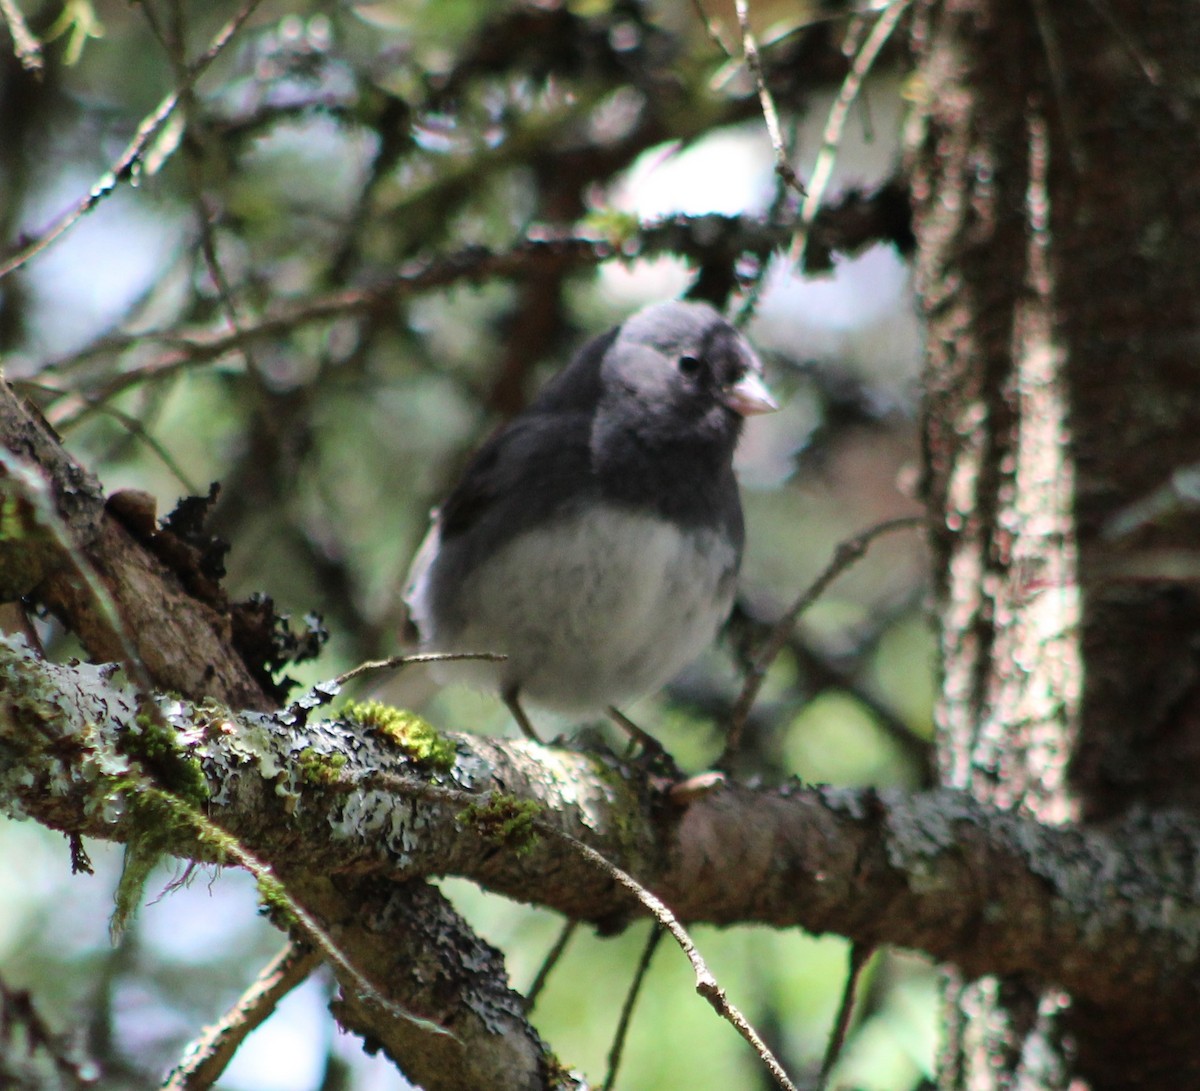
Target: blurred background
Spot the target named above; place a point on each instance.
(330, 148)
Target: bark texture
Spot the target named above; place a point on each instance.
(182, 644)
(351, 821)
(1056, 187)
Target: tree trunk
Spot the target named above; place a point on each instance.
(1056, 187)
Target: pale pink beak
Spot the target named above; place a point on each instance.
(750, 396)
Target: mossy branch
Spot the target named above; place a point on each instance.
(992, 891)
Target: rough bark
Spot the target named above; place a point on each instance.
(1054, 175)
(182, 644)
(29, 552)
(350, 820)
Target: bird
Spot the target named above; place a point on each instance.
(595, 539)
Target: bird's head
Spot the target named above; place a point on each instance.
(679, 368)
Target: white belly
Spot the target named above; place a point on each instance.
(600, 608)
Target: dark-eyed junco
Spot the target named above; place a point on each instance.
(595, 539)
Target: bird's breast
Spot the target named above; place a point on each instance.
(596, 607)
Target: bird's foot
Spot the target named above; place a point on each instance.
(653, 756)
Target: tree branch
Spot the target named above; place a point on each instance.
(705, 241)
(209, 1055)
(1097, 914)
(417, 954)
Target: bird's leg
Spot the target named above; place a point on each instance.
(510, 698)
(651, 747)
(655, 759)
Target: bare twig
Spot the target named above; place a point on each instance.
(779, 212)
(1150, 68)
(766, 100)
(172, 42)
(860, 955)
(123, 167)
(325, 691)
(825, 671)
(849, 551)
(26, 47)
(548, 963)
(546, 252)
(17, 1010)
(635, 987)
(710, 28)
(212, 261)
(206, 1058)
(834, 127)
(706, 983)
(410, 660)
(139, 431)
(1056, 66)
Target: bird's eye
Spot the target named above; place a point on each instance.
(689, 365)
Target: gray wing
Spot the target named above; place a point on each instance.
(534, 469)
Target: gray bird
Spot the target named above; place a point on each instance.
(595, 539)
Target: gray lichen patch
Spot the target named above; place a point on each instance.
(55, 723)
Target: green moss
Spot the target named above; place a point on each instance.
(505, 819)
(153, 818)
(613, 226)
(155, 744)
(320, 769)
(156, 822)
(276, 901)
(405, 730)
(136, 865)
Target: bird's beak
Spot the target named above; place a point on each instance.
(749, 396)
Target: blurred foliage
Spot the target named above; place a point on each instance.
(290, 294)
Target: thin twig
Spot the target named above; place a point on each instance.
(208, 247)
(860, 955)
(825, 671)
(847, 552)
(411, 660)
(635, 987)
(1149, 68)
(300, 918)
(323, 692)
(26, 47)
(706, 983)
(711, 28)
(139, 431)
(207, 1057)
(173, 45)
(123, 167)
(834, 127)
(548, 964)
(1056, 66)
(17, 1009)
(780, 213)
(766, 100)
